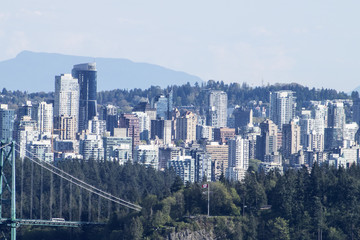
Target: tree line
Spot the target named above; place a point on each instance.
(185, 95)
(319, 203)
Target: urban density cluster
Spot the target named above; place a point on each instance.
(198, 145)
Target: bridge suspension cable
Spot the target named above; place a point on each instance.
(57, 171)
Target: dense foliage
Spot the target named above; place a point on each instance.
(186, 95)
(304, 205)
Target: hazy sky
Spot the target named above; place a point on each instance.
(314, 43)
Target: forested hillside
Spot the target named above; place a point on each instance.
(295, 205)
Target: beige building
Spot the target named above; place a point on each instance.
(66, 127)
(186, 127)
(219, 157)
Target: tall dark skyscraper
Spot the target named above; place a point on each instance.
(86, 74)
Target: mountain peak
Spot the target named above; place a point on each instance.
(38, 70)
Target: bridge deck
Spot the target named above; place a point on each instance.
(49, 223)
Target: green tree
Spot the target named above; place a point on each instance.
(279, 229)
(178, 184)
(335, 234)
(136, 228)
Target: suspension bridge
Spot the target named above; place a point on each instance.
(18, 216)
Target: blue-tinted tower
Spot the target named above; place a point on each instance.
(164, 106)
(7, 118)
(87, 76)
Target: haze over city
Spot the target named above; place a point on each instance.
(258, 42)
(179, 120)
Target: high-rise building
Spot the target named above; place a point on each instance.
(336, 115)
(7, 119)
(92, 147)
(349, 134)
(333, 138)
(306, 123)
(161, 129)
(26, 132)
(66, 102)
(312, 124)
(282, 107)
(166, 154)
(184, 166)
(219, 157)
(66, 127)
(87, 77)
(145, 114)
(267, 142)
(97, 126)
(238, 158)
(334, 133)
(356, 111)
(217, 111)
(164, 106)
(118, 149)
(131, 123)
(223, 134)
(144, 125)
(290, 139)
(111, 117)
(25, 110)
(147, 155)
(66, 96)
(40, 150)
(252, 143)
(43, 115)
(203, 165)
(186, 127)
(204, 132)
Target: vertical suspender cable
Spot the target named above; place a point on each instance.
(22, 188)
(61, 196)
(32, 190)
(13, 193)
(80, 203)
(1, 176)
(109, 210)
(41, 191)
(51, 193)
(99, 208)
(70, 201)
(89, 209)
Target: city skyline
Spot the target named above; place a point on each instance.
(164, 134)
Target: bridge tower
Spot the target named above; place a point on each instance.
(7, 184)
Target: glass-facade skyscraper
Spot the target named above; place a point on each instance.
(7, 118)
(87, 76)
(164, 106)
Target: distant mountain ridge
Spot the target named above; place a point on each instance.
(35, 72)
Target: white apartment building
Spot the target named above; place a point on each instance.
(217, 113)
(238, 158)
(282, 107)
